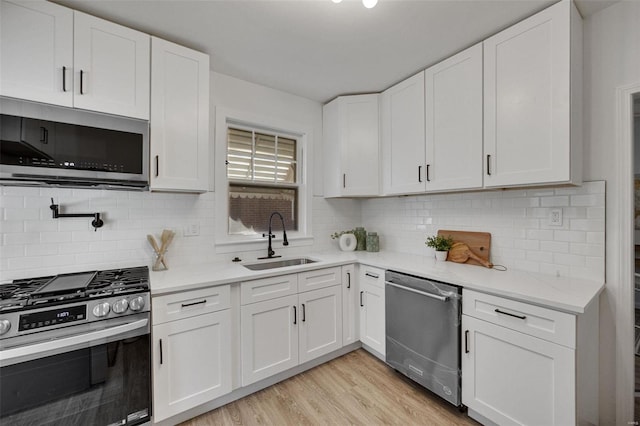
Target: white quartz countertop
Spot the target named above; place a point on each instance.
(565, 294)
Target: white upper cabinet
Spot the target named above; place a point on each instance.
(55, 55)
(453, 107)
(111, 67)
(36, 52)
(403, 141)
(351, 146)
(179, 135)
(532, 105)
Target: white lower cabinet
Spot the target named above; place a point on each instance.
(191, 362)
(269, 338)
(528, 365)
(282, 332)
(350, 305)
(512, 378)
(372, 310)
(320, 322)
(191, 349)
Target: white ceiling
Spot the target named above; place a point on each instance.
(318, 49)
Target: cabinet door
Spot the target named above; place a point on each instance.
(320, 322)
(111, 67)
(453, 106)
(512, 378)
(351, 146)
(372, 324)
(269, 338)
(527, 101)
(192, 362)
(403, 143)
(360, 145)
(36, 52)
(179, 118)
(350, 310)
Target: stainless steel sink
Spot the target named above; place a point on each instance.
(279, 263)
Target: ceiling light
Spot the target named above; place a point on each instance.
(336, 1)
(369, 3)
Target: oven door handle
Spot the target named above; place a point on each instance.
(431, 295)
(9, 356)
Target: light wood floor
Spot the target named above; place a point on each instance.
(356, 388)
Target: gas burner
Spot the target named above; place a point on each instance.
(54, 290)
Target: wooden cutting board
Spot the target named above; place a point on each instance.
(479, 243)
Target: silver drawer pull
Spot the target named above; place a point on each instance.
(372, 275)
(522, 317)
(413, 290)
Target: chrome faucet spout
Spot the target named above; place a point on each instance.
(285, 242)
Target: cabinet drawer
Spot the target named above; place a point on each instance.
(319, 278)
(190, 303)
(268, 288)
(547, 324)
(371, 275)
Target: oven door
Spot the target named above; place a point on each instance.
(95, 374)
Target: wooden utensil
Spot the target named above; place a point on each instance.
(460, 253)
(478, 242)
(159, 259)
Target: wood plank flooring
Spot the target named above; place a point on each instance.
(355, 389)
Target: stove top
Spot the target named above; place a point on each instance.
(53, 290)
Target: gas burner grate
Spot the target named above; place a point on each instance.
(117, 279)
(24, 292)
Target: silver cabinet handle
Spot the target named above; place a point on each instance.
(368, 274)
(348, 279)
(422, 293)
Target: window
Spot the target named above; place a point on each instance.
(262, 175)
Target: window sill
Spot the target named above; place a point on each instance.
(260, 243)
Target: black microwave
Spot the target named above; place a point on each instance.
(55, 146)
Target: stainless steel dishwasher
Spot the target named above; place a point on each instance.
(423, 332)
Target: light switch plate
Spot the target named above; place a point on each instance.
(192, 230)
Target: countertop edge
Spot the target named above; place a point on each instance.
(564, 294)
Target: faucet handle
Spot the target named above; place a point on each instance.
(269, 235)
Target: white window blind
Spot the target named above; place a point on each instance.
(260, 157)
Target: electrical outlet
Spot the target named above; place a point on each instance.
(192, 230)
(555, 217)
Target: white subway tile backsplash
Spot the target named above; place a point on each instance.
(518, 221)
(558, 201)
(33, 243)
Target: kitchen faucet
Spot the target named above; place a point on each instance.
(270, 252)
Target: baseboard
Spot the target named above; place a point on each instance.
(480, 418)
(255, 387)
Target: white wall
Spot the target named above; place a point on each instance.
(612, 59)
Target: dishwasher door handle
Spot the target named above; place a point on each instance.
(413, 290)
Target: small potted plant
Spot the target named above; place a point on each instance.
(346, 239)
(440, 244)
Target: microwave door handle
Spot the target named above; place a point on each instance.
(15, 355)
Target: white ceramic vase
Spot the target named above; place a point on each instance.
(347, 242)
(441, 255)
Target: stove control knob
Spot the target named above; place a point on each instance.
(120, 306)
(5, 326)
(101, 310)
(136, 303)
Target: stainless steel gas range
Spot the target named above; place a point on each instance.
(75, 349)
